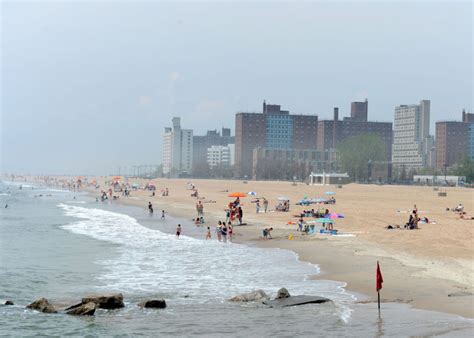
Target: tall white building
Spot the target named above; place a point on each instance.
(177, 149)
(220, 155)
(411, 136)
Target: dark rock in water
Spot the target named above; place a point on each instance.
(108, 302)
(87, 309)
(282, 293)
(460, 294)
(42, 305)
(153, 303)
(9, 302)
(250, 297)
(296, 300)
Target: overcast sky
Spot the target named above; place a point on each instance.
(89, 86)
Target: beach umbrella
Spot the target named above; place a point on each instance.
(283, 198)
(323, 220)
(237, 194)
(252, 193)
(330, 193)
(335, 215)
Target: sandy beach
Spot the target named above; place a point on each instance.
(430, 268)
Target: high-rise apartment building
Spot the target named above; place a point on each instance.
(454, 140)
(332, 132)
(273, 129)
(220, 155)
(202, 143)
(411, 133)
(177, 149)
(359, 111)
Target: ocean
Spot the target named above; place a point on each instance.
(62, 245)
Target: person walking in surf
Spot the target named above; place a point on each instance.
(162, 215)
(150, 208)
(178, 230)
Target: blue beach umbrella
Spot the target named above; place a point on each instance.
(323, 220)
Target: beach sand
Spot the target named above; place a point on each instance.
(431, 268)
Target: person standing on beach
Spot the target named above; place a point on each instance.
(230, 231)
(227, 215)
(218, 231)
(150, 207)
(162, 215)
(178, 230)
(240, 215)
(208, 233)
(257, 206)
(265, 204)
(224, 233)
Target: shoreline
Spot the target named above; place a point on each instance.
(351, 260)
(353, 264)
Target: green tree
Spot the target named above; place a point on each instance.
(465, 167)
(356, 154)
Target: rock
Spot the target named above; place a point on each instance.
(42, 305)
(460, 294)
(9, 302)
(108, 302)
(250, 297)
(282, 293)
(296, 300)
(153, 303)
(87, 309)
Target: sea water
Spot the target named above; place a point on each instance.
(62, 245)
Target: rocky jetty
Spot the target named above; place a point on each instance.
(42, 305)
(153, 304)
(253, 296)
(296, 300)
(87, 309)
(109, 302)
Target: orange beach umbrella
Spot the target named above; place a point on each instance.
(237, 194)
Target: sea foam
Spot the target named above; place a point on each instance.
(149, 260)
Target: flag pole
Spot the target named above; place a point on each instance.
(378, 299)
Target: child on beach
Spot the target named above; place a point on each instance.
(178, 230)
(150, 207)
(162, 215)
(208, 233)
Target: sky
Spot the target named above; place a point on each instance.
(88, 87)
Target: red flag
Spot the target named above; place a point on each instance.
(379, 278)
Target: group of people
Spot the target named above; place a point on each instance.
(234, 211)
(222, 231)
(258, 205)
